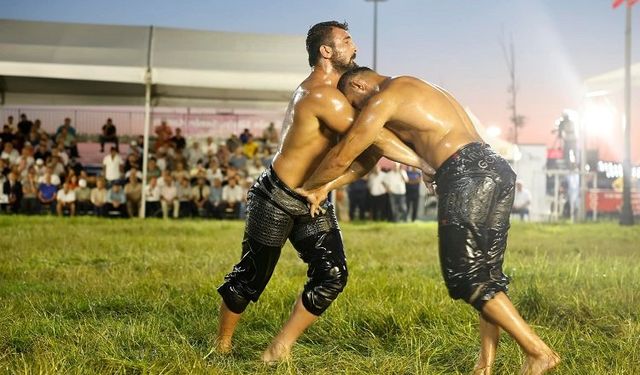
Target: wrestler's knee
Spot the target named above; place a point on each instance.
(475, 292)
(233, 298)
(324, 286)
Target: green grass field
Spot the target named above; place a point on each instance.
(97, 296)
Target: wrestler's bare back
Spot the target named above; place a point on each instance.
(428, 117)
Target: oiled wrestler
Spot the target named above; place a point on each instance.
(475, 189)
(317, 113)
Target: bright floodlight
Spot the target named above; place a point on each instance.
(598, 117)
(494, 131)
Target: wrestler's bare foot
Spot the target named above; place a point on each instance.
(481, 369)
(276, 352)
(223, 344)
(540, 364)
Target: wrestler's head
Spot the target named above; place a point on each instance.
(331, 41)
(358, 85)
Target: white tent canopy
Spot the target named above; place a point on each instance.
(64, 63)
(613, 80)
(78, 64)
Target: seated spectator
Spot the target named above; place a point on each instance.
(211, 147)
(184, 197)
(109, 134)
(200, 198)
(163, 134)
(270, 135)
(7, 135)
(99, 197)
(9, 124)
(267, 157)
(68, 136)
(250, 148)
(214, 171)
(30, 204)
(153, 170)
(223, 155)
(116, 201)
(133, 195)
(152, 198)
(163, 160)
(132, 162)
(37, 127)
(197, 171)
(135, 173)
(244, 137)
(12, 188)
(48, 171)
(112, 167)
(42, 152)
(66, 199)
(36, 134)
(47, 193)
(57, 166)
(5, 168)
(233, 143)
(24, 127)
(169, 197)
(72, 179)
(522, 201)
(254, 168)
(194, 154)
(216, 206)
(238, 159)
(68, 142)
(136, 148)
(179, 141)
(232, 196)
(83, 198)
(75, 165)
(66, 125)
(10, 153)
(180, 172)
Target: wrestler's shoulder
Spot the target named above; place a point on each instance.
(406, 80)
(321, 95)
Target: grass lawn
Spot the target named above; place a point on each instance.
(127, 296)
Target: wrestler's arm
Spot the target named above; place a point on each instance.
(358, 169)
(331, 106)
(362, 134)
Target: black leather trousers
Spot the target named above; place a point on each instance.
(475, 195)
(275, 213)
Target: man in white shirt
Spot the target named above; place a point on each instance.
(152, 198)
(232, 195)
(395, 182)
(378, 193)
(169, 197)
(112, 166)
(48, 171)
(522, 201)
(66, 198)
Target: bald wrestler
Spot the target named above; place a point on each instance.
(475, 189)
(316, 114)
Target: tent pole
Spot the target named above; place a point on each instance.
(147, 125)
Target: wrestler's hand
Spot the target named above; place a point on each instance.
(315, 199)
(429, 183)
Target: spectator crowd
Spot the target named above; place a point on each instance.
(207, 178)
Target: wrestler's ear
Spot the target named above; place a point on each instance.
(357, 84)
(326, 51)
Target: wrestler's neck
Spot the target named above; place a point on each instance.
(324, 73)
(379, 83)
